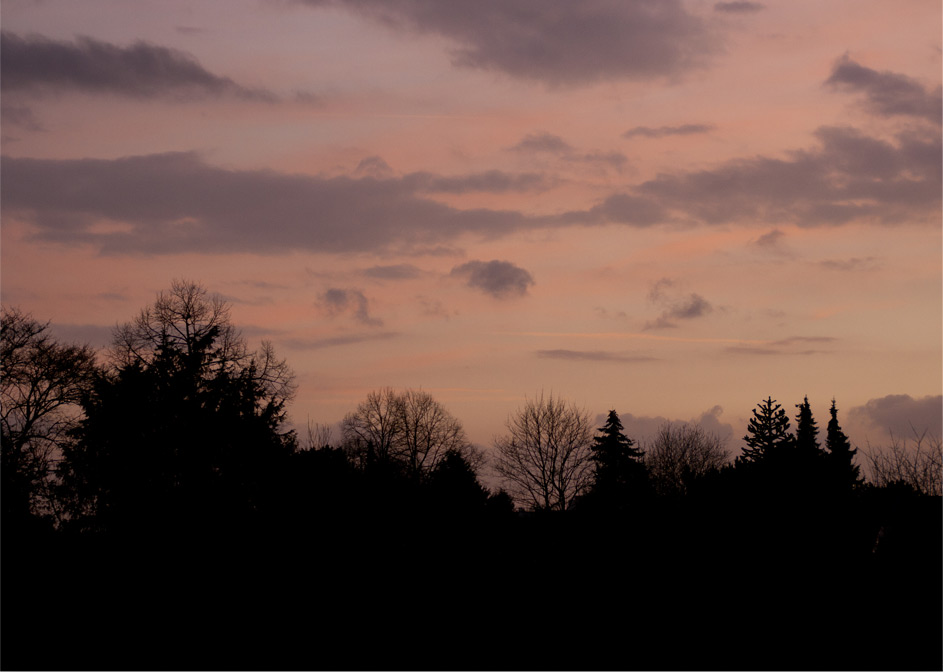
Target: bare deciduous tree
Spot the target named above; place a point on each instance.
(371, 431)
(408, 428)
(681, 453)
(197, 324)
(41, 384)
(919, 465)
(317, 436)
(546, 457)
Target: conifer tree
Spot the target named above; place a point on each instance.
(767, 434)
(806, 431)
(619, 469)
(840, 454)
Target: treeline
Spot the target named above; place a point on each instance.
(158, 513)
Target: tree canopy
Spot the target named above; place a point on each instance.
(185, 423)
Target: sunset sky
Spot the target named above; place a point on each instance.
(671, 209)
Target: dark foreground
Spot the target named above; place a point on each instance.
(696, 585)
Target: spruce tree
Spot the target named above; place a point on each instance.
(840, 454)
(767, 435)
(806, 431)
(619, 469)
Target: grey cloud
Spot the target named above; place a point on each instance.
(643, 428)
(739, 7)
(617, 160)
(759, 350)
(710, 422)
(175, 202)
(784, 346)
(542, 142)
(547, 143)
(593, 356)
(901, 414)
(851, 176)
(888, 93)
(556, 42)
(658, 289)
(694, 305)
(500, 279)
(307, 98)
(336, 301)
(607, 314)
(662, 131)
(20, 116)
(627, 209)
(793, 340)
(171, 203)
(373, 166)
(393, 272)
(142, 70)
(676, 305)
(336, 341)
(752, 350)
(771, 240)
(434, 308)
(491, 181)
(661, 322)
(852, 264)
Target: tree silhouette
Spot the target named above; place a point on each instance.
(840, 455)
(681, 455)
(184, 426)
(454, 487)
(807, 431)
(546, 457)
(619, 470)
(408, 431)
(768, 436)
(41, 384)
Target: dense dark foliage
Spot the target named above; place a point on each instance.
(198, 535)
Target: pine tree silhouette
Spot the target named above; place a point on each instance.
(806, 431)
(767, 435)
(619, 469)
(840, 454)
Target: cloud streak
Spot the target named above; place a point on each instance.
(784, 346)
(555, 42)
(172, 203)
(850, 177)
(542, 144)
(176, 202)
(663, 131)
(37, 64)
(593, 356)
(491, 181)
(887, 94)
(739, 7)
(336, 341)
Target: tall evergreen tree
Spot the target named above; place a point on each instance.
(840, 454)
(768, 436)
(619, 467)
(807, 431)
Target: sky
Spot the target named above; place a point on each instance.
(672, 209)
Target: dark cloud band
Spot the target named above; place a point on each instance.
(557, 42)
(888, 94)
(142, 70)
